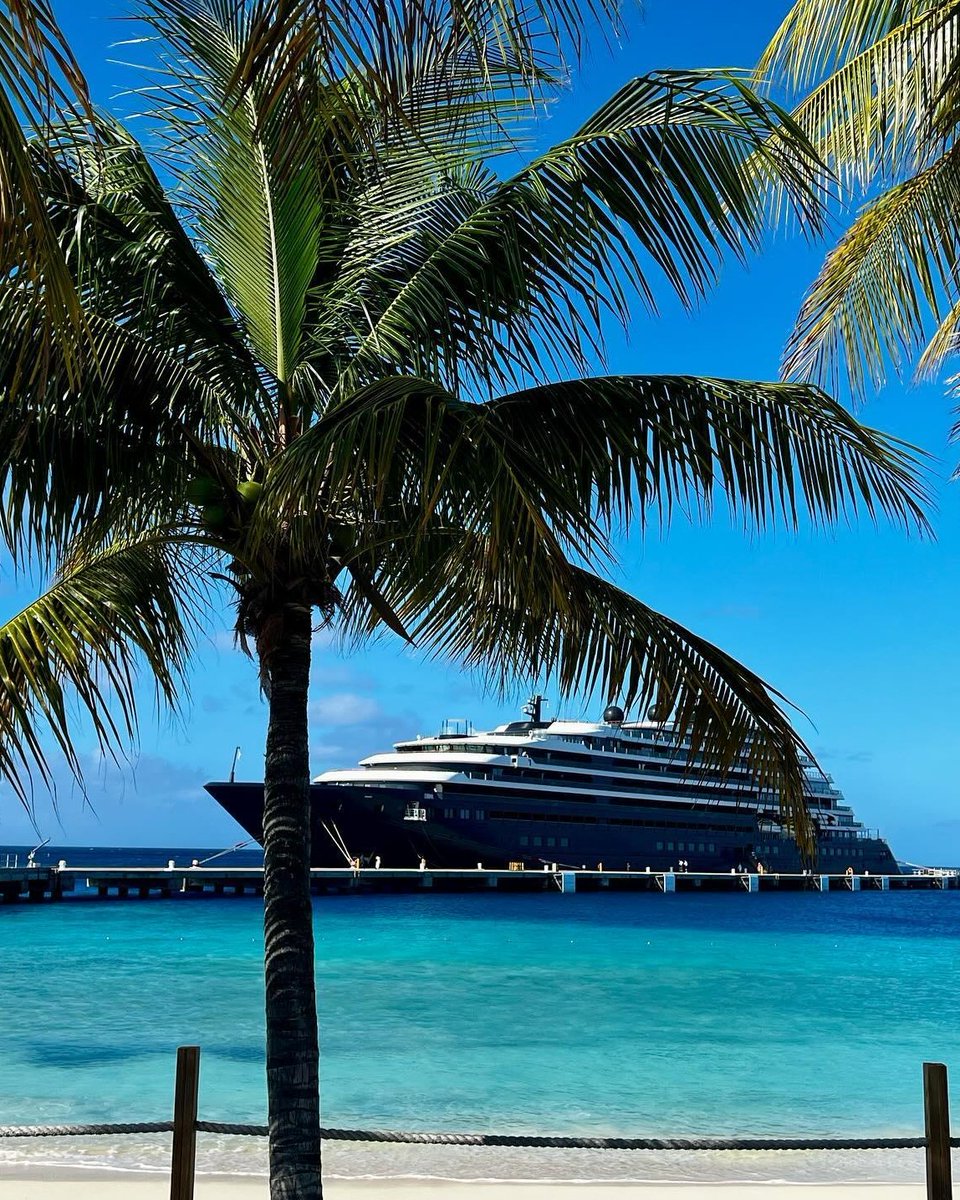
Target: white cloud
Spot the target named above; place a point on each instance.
(344, 708)
(225, 640)
(328, 751)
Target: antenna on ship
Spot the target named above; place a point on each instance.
(534, 706)
(233, 765)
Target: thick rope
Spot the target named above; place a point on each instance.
(26, 1131)
(589, 1143)
(492, 1139)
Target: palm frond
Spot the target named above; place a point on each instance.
(360, 40)
(770, 450)
(105, 615)
(254, 192)
(162, 368)
(943, 345)
(543, 617)
(513, 277)
(566, 463)
(38, 74)
(890, 280)
(817, 37)
(879, 115)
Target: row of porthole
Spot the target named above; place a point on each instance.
(563, 842)
(690, 847)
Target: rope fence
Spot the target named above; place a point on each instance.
(532, 1141)
(937, 1141)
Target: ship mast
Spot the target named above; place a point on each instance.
(534, 707)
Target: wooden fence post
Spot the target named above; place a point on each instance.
(936, 1113)
(184, 1154)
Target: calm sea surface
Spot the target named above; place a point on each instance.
(640, 1014)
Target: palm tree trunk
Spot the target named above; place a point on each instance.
(293, 1056)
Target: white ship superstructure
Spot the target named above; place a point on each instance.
(628, 794)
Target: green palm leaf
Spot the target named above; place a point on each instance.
(37, 73)
(643, 444)
(260, 226)
(818, 36)
(161, 366)
(888, 111)
(107, 614)
(528, 37)
(675, 168)
(891, 275)
(512, 618)
(878, 114)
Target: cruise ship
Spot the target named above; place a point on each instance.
(616, 794)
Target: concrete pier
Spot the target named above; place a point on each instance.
(32, 883)
(38, 884)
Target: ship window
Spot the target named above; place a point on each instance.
(564, 842)
(480, 815)
(669, 845)
(551, 841)
(711, 847)
(464, 814)
(524, 841)
(659, 845)
(449, 812)
(538, 841)
(681, 846)
(700, 847)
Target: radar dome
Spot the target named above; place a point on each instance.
(613, 714)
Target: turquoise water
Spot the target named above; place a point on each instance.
(634, 1014)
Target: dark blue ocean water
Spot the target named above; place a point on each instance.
(244, 854)
(781, 1014)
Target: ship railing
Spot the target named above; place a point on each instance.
(843, 833)
(936, 872)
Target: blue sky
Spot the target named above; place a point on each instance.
(856, 626)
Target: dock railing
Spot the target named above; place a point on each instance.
(185, 1126)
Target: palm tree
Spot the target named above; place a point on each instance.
(882, 107)
(320, 370)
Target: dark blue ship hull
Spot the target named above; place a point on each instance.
(463, 828)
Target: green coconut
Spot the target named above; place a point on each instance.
(250, 491)
(203, 491)
(214, 516)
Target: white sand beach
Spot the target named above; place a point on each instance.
(65, 1185)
